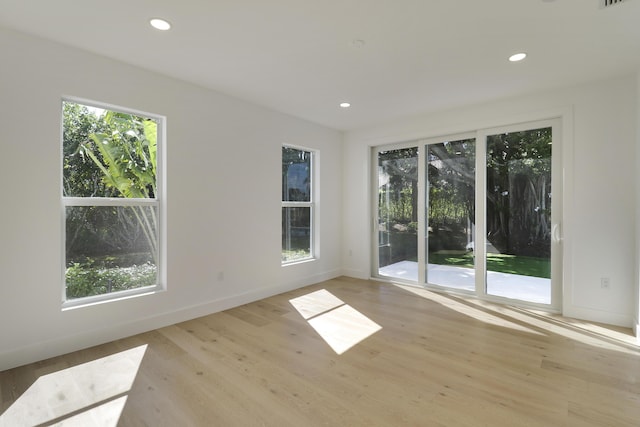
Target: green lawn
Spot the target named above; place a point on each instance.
(526, 266)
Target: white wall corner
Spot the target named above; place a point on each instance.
(356, 274)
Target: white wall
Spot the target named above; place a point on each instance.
(599, 138)
(223, 196)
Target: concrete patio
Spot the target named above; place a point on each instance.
(514, 286)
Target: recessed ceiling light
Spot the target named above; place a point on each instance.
(517, 57)
(160, 24)
(345, 105)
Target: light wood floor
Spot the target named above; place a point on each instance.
(426, 360)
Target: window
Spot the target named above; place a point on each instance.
(297, 204)
(110, 170)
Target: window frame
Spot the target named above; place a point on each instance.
(311, 204)
(158, 202)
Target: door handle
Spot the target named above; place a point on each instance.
(556, 237)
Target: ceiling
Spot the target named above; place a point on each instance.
(388, 58)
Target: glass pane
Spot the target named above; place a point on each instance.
(296, 175)
(451, 214)
(296, 233)
(519, 215)
(398, 213)
(107, 153)
(109, 249)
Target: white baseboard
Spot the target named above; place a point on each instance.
(599, 316)
(62, 345)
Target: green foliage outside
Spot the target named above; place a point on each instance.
(127, 161)
(94, 277)
(289, 255)
(519, 192)
(518, 203)
(398, 193)
(108, 154)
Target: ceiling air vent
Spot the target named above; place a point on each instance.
(609, 3)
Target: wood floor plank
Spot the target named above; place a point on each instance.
(438, 360)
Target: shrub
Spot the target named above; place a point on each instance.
(87, 279)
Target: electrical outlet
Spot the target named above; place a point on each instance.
(605, 283)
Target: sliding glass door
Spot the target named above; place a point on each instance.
(397, 213)
(477, 213)
(520, 213)
(450, 176)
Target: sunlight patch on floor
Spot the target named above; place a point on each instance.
(606, 336)
(90, 394)
(339, 324)
(105, 415)
(467, 310)
(315, 303)
(535, 322)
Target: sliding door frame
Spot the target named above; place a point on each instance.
(423, 280)
(556, 210)
(375, 257)
(480, 136)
